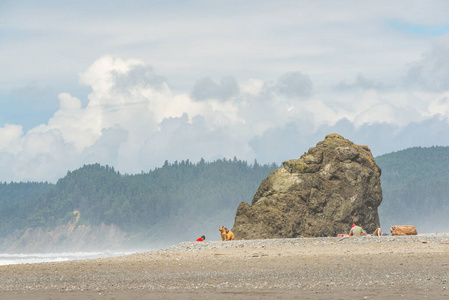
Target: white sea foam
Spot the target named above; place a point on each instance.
(12, 259)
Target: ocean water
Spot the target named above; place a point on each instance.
(13, 259)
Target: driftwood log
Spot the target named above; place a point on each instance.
(403, 230)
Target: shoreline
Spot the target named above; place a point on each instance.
(387, 267)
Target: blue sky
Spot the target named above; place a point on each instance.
(419, 29)
(134, 83)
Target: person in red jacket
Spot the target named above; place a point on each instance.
(200, 239)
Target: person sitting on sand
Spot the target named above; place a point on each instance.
(355, 221)
(200, 239)
(356, 230)
(377, 232)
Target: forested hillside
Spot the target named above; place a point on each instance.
(182, 200)
(176, 202)
(15, 192)
(415, 189)
(17, 202)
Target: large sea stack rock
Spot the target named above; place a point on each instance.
(318, 194)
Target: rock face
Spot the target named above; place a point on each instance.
(66, 238)
(318, 194)
(61, 239)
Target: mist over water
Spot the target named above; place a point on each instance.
(13, 259)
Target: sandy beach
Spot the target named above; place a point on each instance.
(410, 267)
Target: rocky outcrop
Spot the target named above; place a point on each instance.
(318, 194)
(66, 238)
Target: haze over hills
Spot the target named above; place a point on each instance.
(415, 189)
(177, 202)
(96, 207)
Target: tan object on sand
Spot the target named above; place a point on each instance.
(403, 230)
(226, 236)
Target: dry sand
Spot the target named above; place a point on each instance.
(305, 268)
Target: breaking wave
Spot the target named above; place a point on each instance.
(13, 259)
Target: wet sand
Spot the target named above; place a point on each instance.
(308, 268)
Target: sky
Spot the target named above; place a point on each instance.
(131, 84)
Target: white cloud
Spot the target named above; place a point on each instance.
(261, 80)
(255, 40)
(431, 72)
(8, 135)
(134, 121)
(206, 88)
(39, 156)
(362, 83)
(251, 87)
(440, 106)
(294, 85)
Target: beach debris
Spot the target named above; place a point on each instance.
(403, 230)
